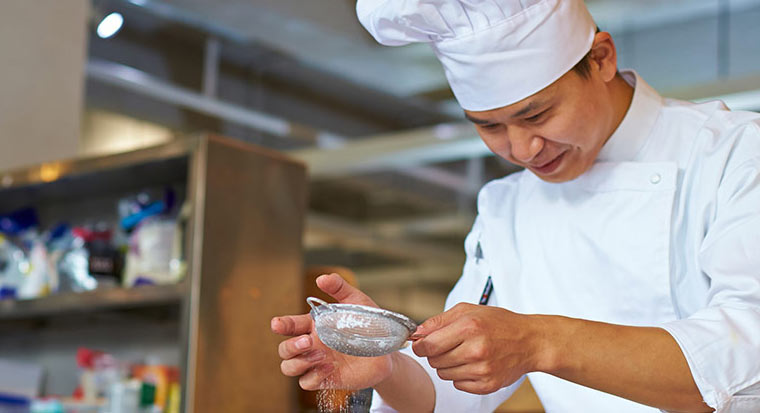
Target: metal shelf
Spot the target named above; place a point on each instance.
(107, 299)
(50, 172)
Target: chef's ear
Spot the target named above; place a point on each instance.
(603, 56)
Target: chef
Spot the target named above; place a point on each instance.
(619, 272)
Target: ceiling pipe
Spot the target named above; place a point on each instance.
(333, 155)
(211, 60)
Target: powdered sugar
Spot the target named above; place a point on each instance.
(351, 321)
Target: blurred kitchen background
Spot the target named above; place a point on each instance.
(393, 169)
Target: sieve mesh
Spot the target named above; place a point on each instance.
(360, 330)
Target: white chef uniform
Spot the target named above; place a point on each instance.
(663, 230)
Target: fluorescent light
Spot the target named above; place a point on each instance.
(110, 25)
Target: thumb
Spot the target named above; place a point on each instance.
(342, 291)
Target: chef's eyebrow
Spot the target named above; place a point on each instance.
(530, 107)
(476, 120)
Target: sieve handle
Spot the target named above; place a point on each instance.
(312, 301)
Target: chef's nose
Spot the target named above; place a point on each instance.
(524, 144)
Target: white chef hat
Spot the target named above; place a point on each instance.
(494, 52)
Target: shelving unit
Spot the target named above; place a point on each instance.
(98, 300)
(242, 247)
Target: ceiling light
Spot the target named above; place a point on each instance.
(110, 25)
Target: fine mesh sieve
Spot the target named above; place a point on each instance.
(359, 330)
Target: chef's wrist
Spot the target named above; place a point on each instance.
(399, 369)
(387, 378)
(407, 388)
(551, 343)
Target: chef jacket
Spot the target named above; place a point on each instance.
(663, 230)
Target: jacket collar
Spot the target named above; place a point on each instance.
(627, 140)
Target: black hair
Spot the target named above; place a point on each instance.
(583, 68)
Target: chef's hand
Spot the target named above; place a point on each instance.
(319, 367)
(480, 348)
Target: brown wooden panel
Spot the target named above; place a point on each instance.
(251, 269)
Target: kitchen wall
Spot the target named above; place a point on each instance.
(43, 45)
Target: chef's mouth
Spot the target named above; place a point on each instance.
(549, 166)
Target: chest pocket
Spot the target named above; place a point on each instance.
(596, 248)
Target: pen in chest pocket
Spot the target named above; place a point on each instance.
(486, 292)
(488, 289)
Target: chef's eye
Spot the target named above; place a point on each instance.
(490, 126)
(535, 118)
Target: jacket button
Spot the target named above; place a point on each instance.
(655, 179)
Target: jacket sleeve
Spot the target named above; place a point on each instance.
(468, 289)
(721, 342)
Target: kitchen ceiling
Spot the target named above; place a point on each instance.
(325, 34)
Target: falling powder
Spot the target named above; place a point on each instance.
(331, 400)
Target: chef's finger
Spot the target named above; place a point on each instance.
(439, 342)
(291, 325)
(297, 366)
(457, 356)
(316, 378)
(342, 291)
(478, 378)
(442, 320)
(474, 386)
(458, 373)
(295, 346)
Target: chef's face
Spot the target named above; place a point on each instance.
(556, 133)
